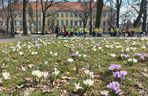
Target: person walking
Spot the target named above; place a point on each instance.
(57, 29)
(65, 30)
(100, 32)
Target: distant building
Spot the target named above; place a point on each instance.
(65, 16)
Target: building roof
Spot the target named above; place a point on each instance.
(62, 6)
(67, 6)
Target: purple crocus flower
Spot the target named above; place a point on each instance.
(120, 74)
(115, 87)
(137, 54)
(113, 67)
(145, 55)
(140, 56)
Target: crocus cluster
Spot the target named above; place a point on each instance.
(141, 56)
(120, 75)
(114, 87)
(114, 67)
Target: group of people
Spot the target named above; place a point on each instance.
(96, 32)
(70, 31)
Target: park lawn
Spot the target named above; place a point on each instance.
(72, 57)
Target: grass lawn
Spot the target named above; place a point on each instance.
(74, 67)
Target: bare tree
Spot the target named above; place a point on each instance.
(9, 12)
(25, 2)
(45, 5)
(92, 6)
(144, 17)
(6, 12)
(118, 7)
(100, 4)
(142, 12)
(83, 12)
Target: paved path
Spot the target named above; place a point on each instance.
(18, 38)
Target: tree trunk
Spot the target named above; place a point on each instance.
(84, 26)
(118, 6)
(144, 17)
(140, 14)
(7, 24)
(12, 27)
(99, 13)
(24, 19)
(37, 28)
(90, 10)
(43, 22)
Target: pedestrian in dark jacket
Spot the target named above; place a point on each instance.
(57, 29)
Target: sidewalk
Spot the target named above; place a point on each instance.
(19, 38)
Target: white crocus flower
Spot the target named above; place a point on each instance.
(46, 62)
(127, 49)
(91, 74)
(37, 73)
(84, 55)
(6, 75)
(113, 55)
(51, 52)
(45, 74)
(132, 60)
(135, 60)
(88, 82)
(77, 86)
(77, 53)
(20, 53)
(34, 53)
(104, 93)
(86, 71)
(30, 65)
(55, 54)
(70, 60)
(56, 72)
(23, 68)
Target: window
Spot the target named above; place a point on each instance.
(104, 14)
(48, 22)
(1, 23)
(62, 15)
(21, 23)
(57, 15)
(104, 23)
(103, 29)
(57, 22)
(75, 15)
(66, 22)
(66, 14)
(108, 22)
(40, 23)
(76, 23)
(71, 23)
(15, 22)
(62, 22)
(108, 14)
(21, 29)
(71, 14)
(80, 23)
